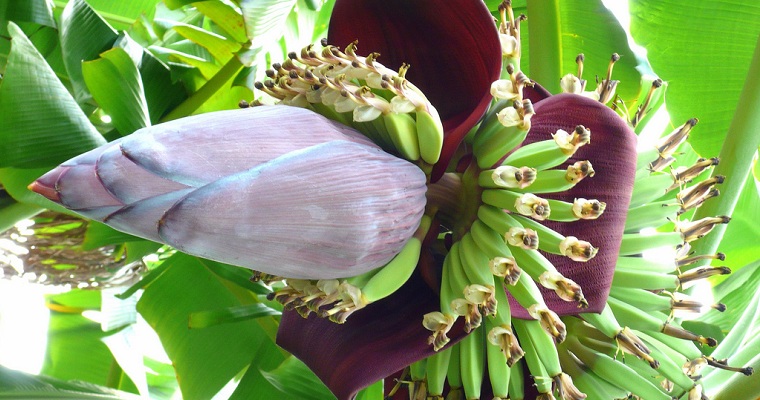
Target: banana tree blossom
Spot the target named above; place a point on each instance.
(277, 189)
(452, 48)
(453, 66)
(455, 53)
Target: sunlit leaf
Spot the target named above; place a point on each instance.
(703, 50)
(740, 241)
(219, 46)
(42, 125)
(74, 348)
(38, 11)
(115, 83)
(84, 35)
(736, 293)
(239, 276)
(204, 319)
(99, 235)
(162, 93)
(205, 359)
(225, 17)
(264, 19)
(12, 212)
(207, 68)
(296, 381)
(121, 14)
(588, 27)
(20, 385)
(372, 392)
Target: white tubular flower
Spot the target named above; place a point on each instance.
(366, 113)
(532, 206)
(440, 325)
(578, 171)
(577, 250)
(549, 321)
(505, 267)
(402, 105)
(508, 45)
(509, 117)
(522, 237)
(504, 89)
(512, 177)
(565, 288)
(588, 209)
(503, 337)
(570, 142)
(571, 84)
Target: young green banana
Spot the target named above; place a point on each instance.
(542, 343)
(541, 377)
(615, 372)
(475, 263)
(454, 374)
(604, 321)
(429, 136)
(649, 187)
(539, 155)
(644, 300)
(635, 264)
(402, 130)
(548, 239)
(587, 381)
(498, 370)
(472, 362)
(437, 368)
(644, 280)
(390, 277)
(636, 243)
(491, 242)
(517, 381)
(492, 142)
(525, 204)
(650, 215)
(550, 181)
(563, 211)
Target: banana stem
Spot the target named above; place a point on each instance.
(219, 80)
(741, 142)
(545, 44)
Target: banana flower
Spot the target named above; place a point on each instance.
(286, 192)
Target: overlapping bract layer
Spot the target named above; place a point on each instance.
(452, 47)
(277, 189)
(611, 151)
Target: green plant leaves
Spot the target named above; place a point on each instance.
(19, 385)
(204, 359)
(115, 84)
(204, 319)
(264, 19)
(38, 11)
(30, 137)
(74, 349)
(703, 50)
(221, 48)
(84, 35)
(296, 381)
(225, 17)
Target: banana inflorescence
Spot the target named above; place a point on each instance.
(497, 240)
(360, 92)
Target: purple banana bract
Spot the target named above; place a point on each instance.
(277, 189)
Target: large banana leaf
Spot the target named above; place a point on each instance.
(703, 50)
(695, 47)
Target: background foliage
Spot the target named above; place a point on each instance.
(78, 73)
